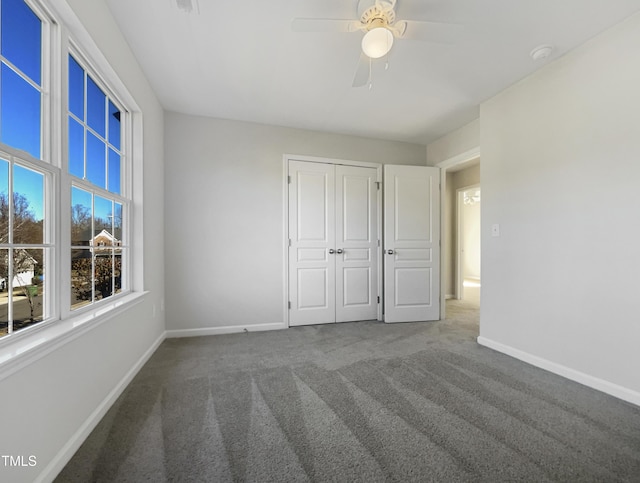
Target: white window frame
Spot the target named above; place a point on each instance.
(69, 181)
(62, 33)
(51, 175)
(49, 36)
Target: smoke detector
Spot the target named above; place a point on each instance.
(541, 52)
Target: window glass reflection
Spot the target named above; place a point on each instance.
(76, 88)
(28, 206)
(19, 113)
(114, 126)
(28, 287)
(4, 292)
(103, 216)
(81, 278)
(81, 213)
(103, 282)
(76, 148)
(96, 107)
(4, 201)
(96, 161)
(21, 37)
(114, 172)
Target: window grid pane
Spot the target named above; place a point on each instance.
(21, 38)
(95, 156)
(97, 247)
(23, 249)
(81, 278)
(20, 116)
(100, 119)
(76, 88)
(28, 206)
(21, 77)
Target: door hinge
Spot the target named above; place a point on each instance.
(378, 184)
(378, 242)
(289, 179)
(378, 298)
(289, 305)
(289, 241)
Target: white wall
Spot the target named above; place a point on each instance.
(457, 142)
(46, 404)
(224, 215)
(560, 172)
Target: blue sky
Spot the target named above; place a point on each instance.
(20, 105)
(26, 182)
(20, 44)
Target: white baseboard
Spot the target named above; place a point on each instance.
(68, 450)
(449, 296)
(231, 329)
(593, 382)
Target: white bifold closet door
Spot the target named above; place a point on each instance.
(333, 243)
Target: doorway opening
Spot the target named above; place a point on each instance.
(461, 228)
(467, 256)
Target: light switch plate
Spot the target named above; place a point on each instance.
(495, 229)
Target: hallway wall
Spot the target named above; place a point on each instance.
(560, 172)
(455, 180)
(471, 238)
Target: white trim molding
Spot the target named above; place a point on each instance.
(65, 454)
(34, 343)
(460, 158)
(230, 329)
(444, 166)
(607, 387)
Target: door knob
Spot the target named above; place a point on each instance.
(331, 251)
(339, 250)
(389, 252)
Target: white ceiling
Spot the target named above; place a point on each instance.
(240, 59)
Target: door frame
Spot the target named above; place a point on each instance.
(285, 213)
(449, 163)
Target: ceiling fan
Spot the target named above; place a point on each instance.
(377, 18)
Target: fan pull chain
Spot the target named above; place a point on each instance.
(370, 74)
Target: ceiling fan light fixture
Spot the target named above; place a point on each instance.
(377, 42)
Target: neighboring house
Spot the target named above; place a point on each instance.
(27, 271)
(104, 239)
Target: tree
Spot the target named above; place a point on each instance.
(26, 262)
(95, 270)
(26, 229)
(80, 224)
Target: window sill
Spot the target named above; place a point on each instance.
(28, 348)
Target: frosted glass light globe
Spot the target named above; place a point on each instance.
(377, 42)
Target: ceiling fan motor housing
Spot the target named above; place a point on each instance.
(376, 13)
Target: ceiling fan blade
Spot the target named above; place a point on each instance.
(362, 72)
(324, 25)
(442, 33)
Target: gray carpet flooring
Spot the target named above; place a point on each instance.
(356, 402)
